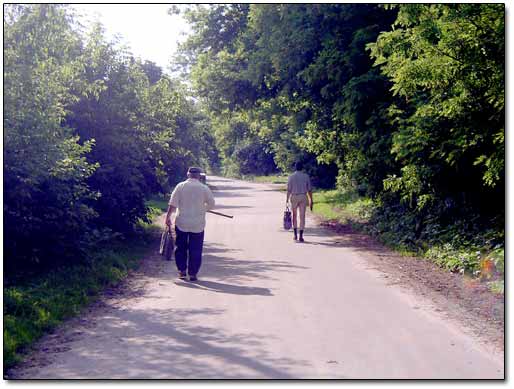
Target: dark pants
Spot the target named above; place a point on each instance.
(189, 244)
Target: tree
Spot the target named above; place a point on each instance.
(446, 63)
(90, 134)
(274, 69)
(47, 200)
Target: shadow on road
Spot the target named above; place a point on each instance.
(222, 206)
(219, 287)
(170, 344)
(219, 264)
(330, 238)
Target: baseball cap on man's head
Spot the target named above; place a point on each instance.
(194, 170)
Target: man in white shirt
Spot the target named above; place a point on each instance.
(190, 199)
(298, 187)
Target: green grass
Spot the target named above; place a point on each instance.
(38, 306)
(342, 207)
(157, 205)
(497, 287)
(274, 179)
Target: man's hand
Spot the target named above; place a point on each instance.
(168, 222)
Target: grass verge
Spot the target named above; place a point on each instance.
(273, 179)
(342, 207)
(38, 306)
(157, 205)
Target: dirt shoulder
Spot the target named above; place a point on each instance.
(458, 298)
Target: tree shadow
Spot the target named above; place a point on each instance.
(332, 238)
(209, 248)
(219, 287)
(227, 268)
(169, 344)
(223, 206)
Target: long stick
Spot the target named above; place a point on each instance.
(221, 214)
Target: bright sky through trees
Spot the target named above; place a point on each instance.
(147, 29)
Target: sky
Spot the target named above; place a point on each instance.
(147, 29)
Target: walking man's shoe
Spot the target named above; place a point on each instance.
(182, 275)
(193, 278)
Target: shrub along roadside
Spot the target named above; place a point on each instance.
(34, 308)
(157, 205)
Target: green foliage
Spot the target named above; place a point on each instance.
(158, 203)
(402, 104)
(282, 70)
(447, 62)
(344, 207)
(89, 134)
(497, 286)
(46, 201)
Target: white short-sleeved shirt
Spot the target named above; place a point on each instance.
(192, 199)
(299, 183)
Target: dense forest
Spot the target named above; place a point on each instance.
(402, 104)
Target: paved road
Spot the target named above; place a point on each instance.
(266, 307)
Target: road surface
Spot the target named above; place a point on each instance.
(265, 307)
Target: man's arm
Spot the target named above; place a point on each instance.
(210, 200)
(171, 209)
(288, 189)
(172, 204)
(309, 192)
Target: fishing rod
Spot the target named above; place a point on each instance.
(221, 214)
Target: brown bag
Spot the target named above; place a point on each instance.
(167, 244)
(287, 219)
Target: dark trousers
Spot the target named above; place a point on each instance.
(189, 245)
